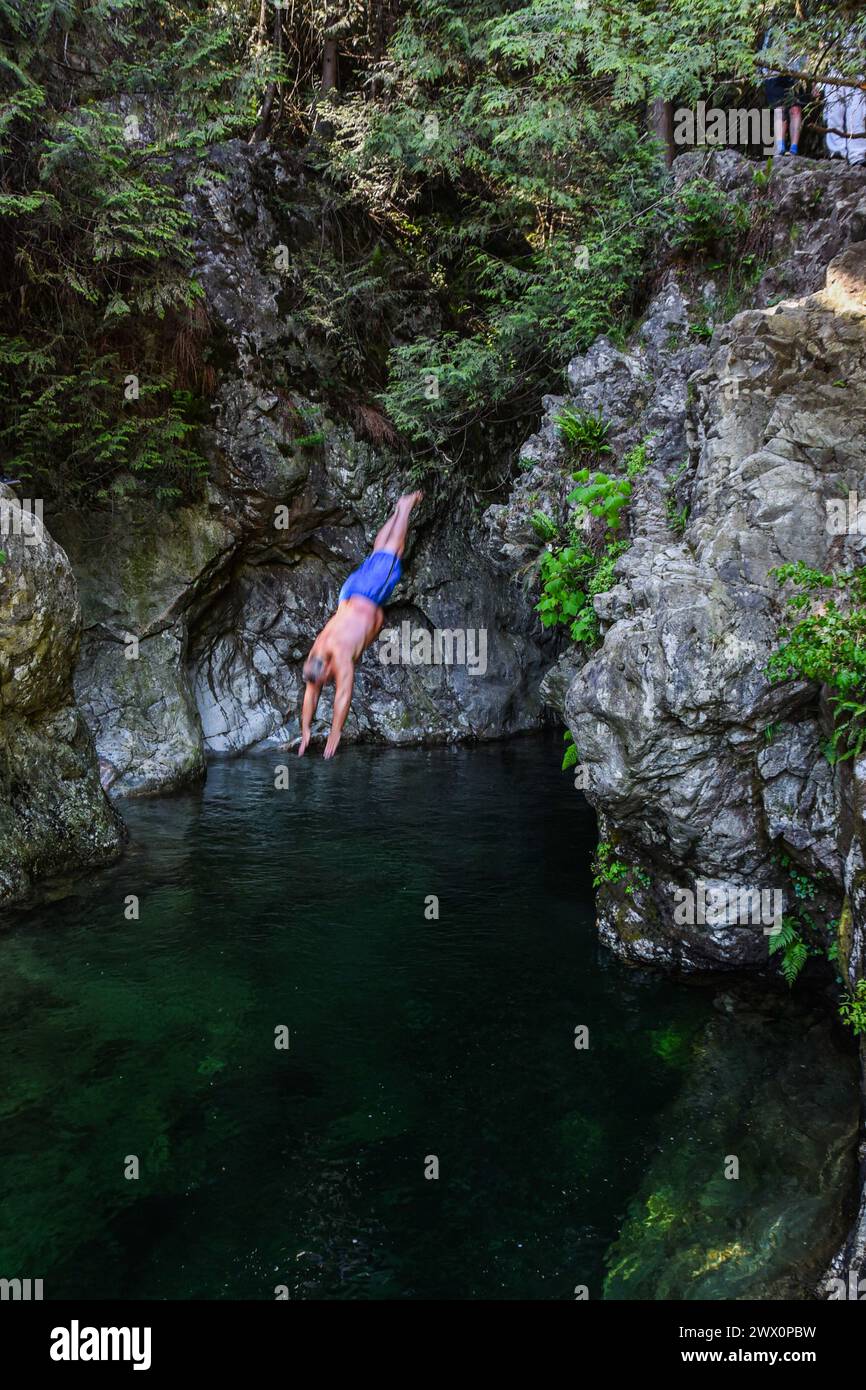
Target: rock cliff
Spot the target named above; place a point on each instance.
(705, 775)
(54, 816)
(223, 596)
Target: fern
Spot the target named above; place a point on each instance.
(793, 948)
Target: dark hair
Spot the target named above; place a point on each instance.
(314, 669)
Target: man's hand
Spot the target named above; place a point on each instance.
(344, 680)
(308, 713)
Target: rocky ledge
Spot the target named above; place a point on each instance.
(54, 816)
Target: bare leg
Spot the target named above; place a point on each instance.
(779, 124)
(796, 122)
(392, 536)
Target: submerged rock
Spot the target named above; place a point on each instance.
(54, 817)
(741, 1202)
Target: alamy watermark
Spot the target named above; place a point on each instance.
(20, 1290)
(732, 126)
(77, 1343)
(729, 905)
(21, 518)
(459, 646)
(854, 1289)
(846, 516)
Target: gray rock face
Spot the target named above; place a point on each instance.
(702, 765)
(707, 779)
(225, 596)
(640, 393)
(54, 817)
(815, 209)
(702, 771)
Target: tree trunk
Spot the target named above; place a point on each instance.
(263, 124)
(329, 67)
(662, 124)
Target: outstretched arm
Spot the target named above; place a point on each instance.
(311, 700)
(345, 680)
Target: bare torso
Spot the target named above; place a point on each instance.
(356, 623)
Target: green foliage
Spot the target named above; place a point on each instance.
(677, 513)
(583, 432)
(540, 228)
(544, 526)
(763, 177)
(701, 325)
(828, 644)
(102, 359)
(794, 950)
(607, 870)
(849, 735)
(637, 460)
(805, 888)
(800, 935)
(487, 202)
(571, 576)
(852, 1008)
(520, 319)
(602, 578)
(683, 49)
(571, 755)
(602, 496)
(562, 599)
(704, 220)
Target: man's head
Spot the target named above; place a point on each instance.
(314, 670)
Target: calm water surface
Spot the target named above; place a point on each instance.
(408, 1038)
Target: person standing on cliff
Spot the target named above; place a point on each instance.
(784, 94)
(356, 623)
(845, 108)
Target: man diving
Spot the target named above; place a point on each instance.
(356, 623)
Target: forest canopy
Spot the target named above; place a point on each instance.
(488, 183)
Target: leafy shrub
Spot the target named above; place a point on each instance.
(602, 496)
(570, 578)
(637, 460)
(608, 869)
(852, 1008)
(704, 220)
(828, 644)
(563, 573)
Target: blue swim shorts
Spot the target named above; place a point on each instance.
(376, 579)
